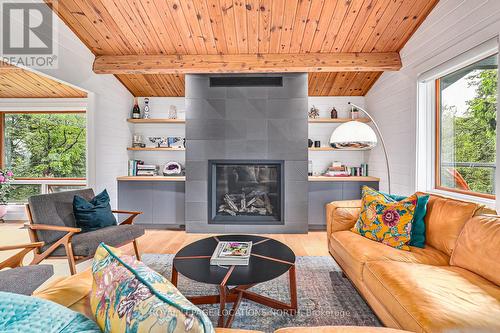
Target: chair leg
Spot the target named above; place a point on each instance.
(71, 258)
(136, 250)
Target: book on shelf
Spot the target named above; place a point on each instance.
(232, 253)
(138, 168)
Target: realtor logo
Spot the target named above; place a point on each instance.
(28, 34)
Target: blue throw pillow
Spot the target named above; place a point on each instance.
(94, 214)
(418, 226)
(20, 313)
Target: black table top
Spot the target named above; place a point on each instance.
(261, 267)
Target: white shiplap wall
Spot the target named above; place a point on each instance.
(452, 28)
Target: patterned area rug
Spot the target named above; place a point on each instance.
(324, 297)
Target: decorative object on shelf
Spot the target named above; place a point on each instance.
(333, 113)
(136, 111)
(317, 144)
(176, 142)
(355, 134)
(138, 141)
(310, 168)
(310, 143)
(6, 176)
(172, 168)
(314, 112)
(172, 112)
(159, 141)
(354, 112)
(146, 108)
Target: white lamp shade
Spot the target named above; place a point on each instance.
(353, 135)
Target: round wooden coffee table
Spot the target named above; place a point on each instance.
(269, 259)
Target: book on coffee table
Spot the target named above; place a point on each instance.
(231, 253)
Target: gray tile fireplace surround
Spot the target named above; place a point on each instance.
(247, 123)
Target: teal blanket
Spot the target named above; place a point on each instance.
(22, 314)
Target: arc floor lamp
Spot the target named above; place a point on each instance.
(358, 135)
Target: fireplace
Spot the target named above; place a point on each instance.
(245, 192)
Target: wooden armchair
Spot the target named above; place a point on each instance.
(22, 279)
(51, 220)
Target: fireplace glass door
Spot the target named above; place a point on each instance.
(245, 192)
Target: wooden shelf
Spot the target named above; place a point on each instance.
(343, 179)
(336, 149)
(152, 178)
(155, 149)
(156, 121)
(338, 120)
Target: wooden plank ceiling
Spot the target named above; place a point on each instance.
(201, 27)
(20, 83)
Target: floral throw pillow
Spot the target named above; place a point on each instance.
(127, 296)
(386, 221)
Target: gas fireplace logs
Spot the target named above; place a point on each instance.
(255, 202)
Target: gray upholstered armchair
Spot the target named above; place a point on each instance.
(51, 221)
(21, 279)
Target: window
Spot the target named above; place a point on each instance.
(466, 113)
(46, 151)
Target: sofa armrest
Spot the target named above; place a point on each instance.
(341, 215)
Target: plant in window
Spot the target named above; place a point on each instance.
(6, 177)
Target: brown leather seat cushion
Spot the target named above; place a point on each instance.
(435, 299)
(357, 250)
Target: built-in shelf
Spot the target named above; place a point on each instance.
(335, 149)
(343, 179)
(157, 121)
(153, 178)
(155, 149)
(338, 120)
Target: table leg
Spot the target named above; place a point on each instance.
(232, 313)
(222, 309)
(293, 289)
(174, 276)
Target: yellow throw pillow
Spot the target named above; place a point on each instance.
(386, 221)
(128, 296)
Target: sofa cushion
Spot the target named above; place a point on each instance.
(425, 298)
(478, 248)
(21, 313)
(86, 243)
(71, 292)
(94, 214)
(445, 219)
(357, 250)
(385, 220)
(128, 296)
(25, 280)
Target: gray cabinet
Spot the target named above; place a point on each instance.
(162, 203)
(321, 193)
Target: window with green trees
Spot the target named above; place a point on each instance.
(43, 146)
(466, 129)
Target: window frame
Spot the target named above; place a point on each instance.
(443, 63)
(437, 143)
(43, 182)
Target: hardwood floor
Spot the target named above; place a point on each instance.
(165, 242)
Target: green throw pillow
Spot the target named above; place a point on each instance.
(418, 226)
(94, 214)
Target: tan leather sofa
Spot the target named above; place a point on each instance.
(452, 285)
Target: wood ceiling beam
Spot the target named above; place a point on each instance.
(247, 63)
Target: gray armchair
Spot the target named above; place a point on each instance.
(51, 221)
(21, 279)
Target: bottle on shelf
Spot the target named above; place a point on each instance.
(146, 108)
(136, 111)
